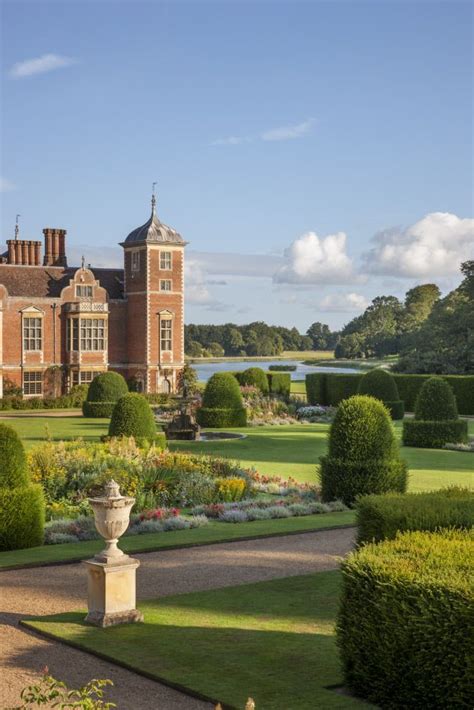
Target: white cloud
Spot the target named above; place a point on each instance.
(231, 140)
(196, 288)
(316, 260)
(434, 246)
(6, 185)
(344, 303)
(40, 65)
(286, 133)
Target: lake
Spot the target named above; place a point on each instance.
(205, 370)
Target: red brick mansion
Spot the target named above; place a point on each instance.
(62, 325)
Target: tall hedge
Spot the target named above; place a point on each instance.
(436, 401)
(222, 404)
(320, 392)
(381, 384)
(255, 377)
(132, 416)
(404, 620)
(363, 454)
(279, 383)
(104, 391)
(22, 508)
(381, 517)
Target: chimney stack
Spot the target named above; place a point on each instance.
(54, 247)
(24, 252)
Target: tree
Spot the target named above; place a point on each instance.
(216, 350)
(194, 349)
(320, 335)
(234, 341)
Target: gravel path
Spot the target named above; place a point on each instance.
(54, 589)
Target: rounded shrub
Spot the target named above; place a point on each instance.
(104, 391)
(222, 404)
(132, 416)
(13, 470)
(363, 453)
(436, 401)
(381, 384)
(255, 377)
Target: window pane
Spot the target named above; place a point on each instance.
(32, 333)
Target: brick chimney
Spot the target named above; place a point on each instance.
(54, 247)
(24, 252)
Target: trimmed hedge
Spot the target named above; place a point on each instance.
(73, 399)
(279, 383)
(403, 623)
(380, 517)
(282, 368)
(104, 391)
(132, 416)
(433, 435)
(22, 514)
(218, 417)
(381, 384)
(13, 469)
(98, 410)
(255, 377)
(318, 391)
(436, 401)
(363, 453)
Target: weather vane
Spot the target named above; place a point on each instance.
(153, 198)
(83, 261)
(17, 226)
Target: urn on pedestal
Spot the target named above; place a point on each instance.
(112, 574)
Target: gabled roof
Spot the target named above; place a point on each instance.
(49, 281)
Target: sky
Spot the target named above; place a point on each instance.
(314, 154)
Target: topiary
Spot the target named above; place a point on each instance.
(436, 401)
(22, 508)
(254, 377)
(132, 416)
(13, 470)
(222, 403)
(103, 392)
(363, 453)
(382, 385)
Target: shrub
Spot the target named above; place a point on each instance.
(256, 377)
(233, 516)
(222, 404)
(433, 435)
(329, 389)
(380, 517)
(13, 470)
(132, 416)
(381, 384)
(363, 454)
(282, 368)
(258, 514)
(230, 489)
(402, 627)
(105, 389)
(279, 511)
(279, 383)
(436, 401)
(21, 517)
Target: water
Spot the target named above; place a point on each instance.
(205, 370)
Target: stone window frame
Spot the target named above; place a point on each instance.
(32, 383)
(86, 287)
(166, 281)
(93, 335)
(135, 261)
(32, 332)
(166, 260)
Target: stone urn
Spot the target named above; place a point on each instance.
(111, 579)
(112, 518)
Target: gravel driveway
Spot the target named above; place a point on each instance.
(48, 590)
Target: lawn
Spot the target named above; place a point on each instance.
(214, 532)
(273, 641)
(280, 450)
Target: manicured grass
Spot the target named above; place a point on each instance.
(214, 532)
(298, 387)
(36, 429)
(273, 641)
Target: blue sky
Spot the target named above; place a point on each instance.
(315, 154)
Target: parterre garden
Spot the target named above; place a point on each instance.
(389, 628)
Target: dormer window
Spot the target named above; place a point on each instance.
(135, 261)
(165, 260)
(83, 291)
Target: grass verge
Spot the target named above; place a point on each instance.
(273, 641)
(151, 542)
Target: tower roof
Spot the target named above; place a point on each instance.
(154, 231)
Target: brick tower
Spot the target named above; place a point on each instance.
(154, 290)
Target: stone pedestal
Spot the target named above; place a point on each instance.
(111, 591)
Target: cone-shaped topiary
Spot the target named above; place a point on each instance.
(363, 453)
(13, 471)
(436, 401)
(132, 416)
(381, 384)
(436, 421)
(222, 403)
(103, 392)
(21, 504)
(255, 377)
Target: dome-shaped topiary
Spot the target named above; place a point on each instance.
(13, 470)
(104, 390)
(132, 416)
(436, 401)
(363, 453)
(222, 403)
(254, 377)
(381, 384)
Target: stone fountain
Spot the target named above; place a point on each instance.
(183, 425)
(111, 586)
